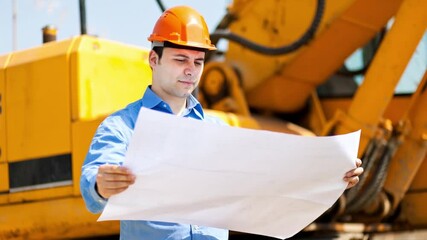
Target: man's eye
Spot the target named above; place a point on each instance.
(198, 63)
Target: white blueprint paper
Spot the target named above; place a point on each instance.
(254, 181)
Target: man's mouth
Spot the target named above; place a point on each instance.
(186, 82)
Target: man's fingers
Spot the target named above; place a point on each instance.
(115, 177)
(355, 172)
(358, 162)
(116, 190)
(113, 184)
(352, 182)
(113, 173)
(117, 169)
(352, 176)
(108, 192)
(102, 178)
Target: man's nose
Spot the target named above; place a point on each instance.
(190, 70)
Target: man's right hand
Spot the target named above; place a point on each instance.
(113, 179)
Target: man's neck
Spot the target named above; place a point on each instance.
(178, 106)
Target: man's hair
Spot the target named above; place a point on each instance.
(159, 49)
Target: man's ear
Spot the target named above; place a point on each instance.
(153, 58)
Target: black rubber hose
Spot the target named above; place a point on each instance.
(82, 7)
(368, 163)
(379, 174)
(375, 185)
(161, 5)
(218, 34)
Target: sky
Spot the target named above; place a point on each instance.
(126, 21)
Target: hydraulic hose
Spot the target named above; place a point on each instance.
(82, 8)
(377, 168)
(221, 33)
(161, 5)
(369, 160)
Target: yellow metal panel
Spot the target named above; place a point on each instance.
(38, 102)
(394, 111)
(54, 219)
(283, 83)
(420, 180)
(406, 162)
(4, 178)
(274, 24)
(387, 67)
(4, 60)
(348, 30)
(82, 134)
(36, 195)
(414, 210)
(106, 76)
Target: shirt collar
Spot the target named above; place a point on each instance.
(151, 100)
(193, 104)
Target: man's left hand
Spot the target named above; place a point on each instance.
(352, 176)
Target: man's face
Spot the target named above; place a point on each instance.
(177, 73)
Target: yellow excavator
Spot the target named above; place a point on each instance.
(289, 66)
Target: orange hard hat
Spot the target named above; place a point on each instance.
(182, 25)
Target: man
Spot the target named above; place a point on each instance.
(180, 39)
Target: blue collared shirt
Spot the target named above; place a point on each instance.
(109, 145)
